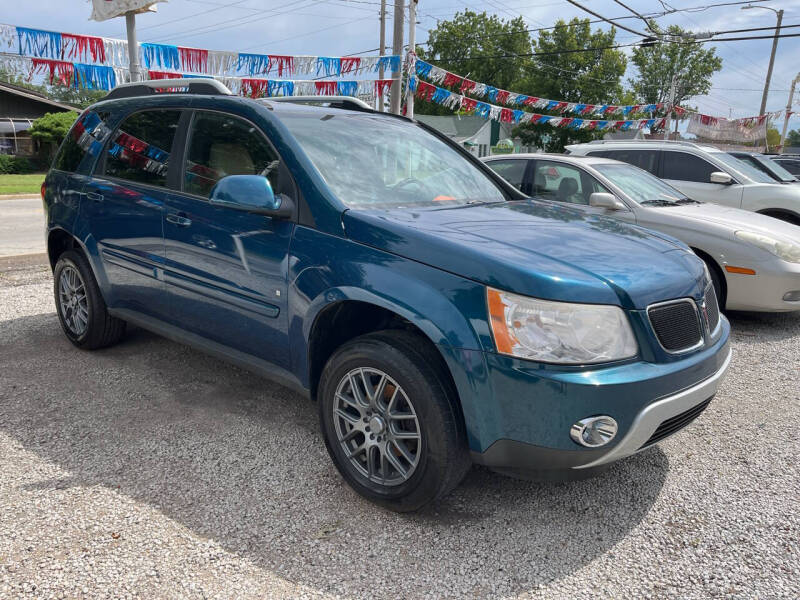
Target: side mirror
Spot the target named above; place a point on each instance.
(606, 200)
(721, 177)
(253, 194)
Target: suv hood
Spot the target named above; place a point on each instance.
(537, 248)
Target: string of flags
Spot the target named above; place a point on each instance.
(458, 102)
(68, 47)
(434, 74)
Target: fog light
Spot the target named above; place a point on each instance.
(594, 431)
(792, 296)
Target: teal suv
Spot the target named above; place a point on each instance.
(436, 315)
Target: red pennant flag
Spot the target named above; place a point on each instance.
(467, 85)
(194, 60)
(350, 64)
(560, 106)
(506, 115)
(255, 88)
(452, 80)
(283, 64)
(468, 104)
(163, 75)
(60, 71)
(502, 96)
(382, 86)
(530, 100)
(328, 88)
(589, 109)
(82, 46)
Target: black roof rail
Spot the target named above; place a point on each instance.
(189, 85)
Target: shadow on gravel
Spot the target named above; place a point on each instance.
(240, 460)
(750, 327)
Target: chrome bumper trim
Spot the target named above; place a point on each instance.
(648, 420)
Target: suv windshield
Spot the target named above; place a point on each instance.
(372, 161)
(742, 167)
(640, 185)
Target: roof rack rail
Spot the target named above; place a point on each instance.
(350, 102)
(677, 142)
(188, 85)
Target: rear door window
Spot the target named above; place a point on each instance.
(563, 183)
(644, 159)
(140, 148)
(513, 171)
(682, 166)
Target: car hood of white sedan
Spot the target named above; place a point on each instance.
(736, 219)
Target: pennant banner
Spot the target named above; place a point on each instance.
(434, 74)
(432, 93)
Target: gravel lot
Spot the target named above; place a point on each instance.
(150, 470)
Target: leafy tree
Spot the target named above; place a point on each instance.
(477, 46)
(50, 129)
(592, 76)
(793, 138)
(691, 64)
(773, 137)
(79, 97)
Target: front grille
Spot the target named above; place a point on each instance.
(712, 308)
(676, 423)
(676, 324)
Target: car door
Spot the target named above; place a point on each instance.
(226, 269)
(691, 174)
(515, 171)
(557, 176)
(123, 205)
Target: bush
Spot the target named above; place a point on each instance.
(15, 165)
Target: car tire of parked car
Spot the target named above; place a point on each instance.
(716, 281)
(390, 420)
(80, 306)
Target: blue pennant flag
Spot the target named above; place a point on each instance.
(347, 88)
(440, 95)
(277, 87)
(579, 108)
(483, 110)
(545, 119)
(626, 109)
(328, 66)
(521, 99)
(253, 64)
(551, 104)
(423, 69)
(491, 93)
(39, 43)
(601, 124)
(518, 115)
(576, 124)
(412, 83)
(94, 77)
(161, 55)
(389, 63)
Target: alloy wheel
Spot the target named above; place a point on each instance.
(377, 426)
(72, 300)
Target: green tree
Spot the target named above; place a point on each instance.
(566, 68)
(691, 64)
(793, 138)
(50, 129)
(478, 46)
(773, 137)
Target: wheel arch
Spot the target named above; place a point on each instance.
(713, 264)
(58, 241)
(782, 214)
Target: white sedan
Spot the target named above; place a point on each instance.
(754, 260)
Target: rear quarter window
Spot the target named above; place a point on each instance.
(644, 159)
(85, 139)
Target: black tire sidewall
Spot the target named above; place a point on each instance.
(430, 404)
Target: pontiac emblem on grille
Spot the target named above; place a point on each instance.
(704, 308)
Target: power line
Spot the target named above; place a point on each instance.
(599, 16)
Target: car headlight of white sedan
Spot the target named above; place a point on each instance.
(559, 332)
(783, 250)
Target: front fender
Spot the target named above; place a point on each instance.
(450, 310)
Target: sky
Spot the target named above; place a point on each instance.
(339, 27)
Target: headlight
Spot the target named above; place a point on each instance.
(783, 250)
(559, 332)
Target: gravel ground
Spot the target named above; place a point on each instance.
(150, 470)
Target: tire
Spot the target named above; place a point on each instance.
(80, 305)
(434, 462)
(716, 281)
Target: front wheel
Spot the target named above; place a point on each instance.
(389, 421)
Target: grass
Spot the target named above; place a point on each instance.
(21, 184)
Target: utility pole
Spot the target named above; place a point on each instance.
(412, 39)
(397, 50)
(771, 62)
(788, 111)
(671, 102)
(133, 46)
(383, 51)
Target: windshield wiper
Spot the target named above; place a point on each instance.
(687, 201)
(659, 202)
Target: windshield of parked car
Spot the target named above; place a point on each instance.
(640, 185)
(372, 161)
(776, 169)
(742, 167)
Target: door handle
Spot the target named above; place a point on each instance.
(178, 220)
(94, 196)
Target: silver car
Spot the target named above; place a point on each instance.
(754, 260)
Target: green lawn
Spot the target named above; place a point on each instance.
(21, 184)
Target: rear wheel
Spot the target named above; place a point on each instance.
(389, 421)
(80, 306)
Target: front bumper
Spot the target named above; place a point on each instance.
(518, 415)
(764, 291)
